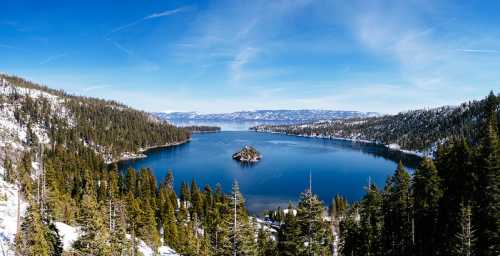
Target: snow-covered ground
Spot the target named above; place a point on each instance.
(8, 215)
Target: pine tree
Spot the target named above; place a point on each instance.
(289, 242)
(465, 239)
(427, 194)
(397, 232)
(134, 213)
(8, 169)
(31, 239)
(488, 213)
(266, 246)
(459, 184)
(371, 222)
(185, 192)
(338, 206)
(95, 236)
(119, 244)
(196, 200)
(351, 241)
(241, 229)
(170, 233)
(315, 233)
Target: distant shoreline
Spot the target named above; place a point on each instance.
(141, 152)
(389, 146)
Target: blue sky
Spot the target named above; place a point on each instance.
(220, 56)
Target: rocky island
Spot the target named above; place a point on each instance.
(247, 154)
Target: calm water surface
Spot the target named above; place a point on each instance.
(337, 166)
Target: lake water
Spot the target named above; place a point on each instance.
(337, 166)
(226, 125)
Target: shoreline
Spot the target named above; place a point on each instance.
(388, 146)
(140, 153)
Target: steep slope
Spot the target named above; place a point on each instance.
(112, 129)
(83, 132)
(419, 130)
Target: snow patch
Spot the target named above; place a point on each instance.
(8, 215)
(69, 234)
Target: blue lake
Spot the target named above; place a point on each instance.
(337, 166)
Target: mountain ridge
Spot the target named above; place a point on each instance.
(301, 115)
(417, 131)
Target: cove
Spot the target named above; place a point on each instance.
(337, 166)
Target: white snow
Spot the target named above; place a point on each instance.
(8, 215)
(68, 234)
(162, 250)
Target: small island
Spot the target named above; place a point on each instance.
(247, 154)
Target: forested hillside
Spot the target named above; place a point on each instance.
(418, 130)
(108, 127)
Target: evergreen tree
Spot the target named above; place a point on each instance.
(338, 206)
(134, 213)
(397, 232)
(185, 192)
(351, 240)
(315, 233)
(170, 233)
(427, 194)
(94, 239)
(289, 242)
(31, 240)
(488, 212)
(196, 200)
(371, 222)
(265, 244)
(241, 229)
(465, 240)
(8, 169)
(459, 184)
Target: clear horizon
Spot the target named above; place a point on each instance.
(228, 56)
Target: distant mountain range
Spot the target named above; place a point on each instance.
(419, 131)
(306, 115)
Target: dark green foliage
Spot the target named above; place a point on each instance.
(31, 240)
(426, 194)
(266, 246)
(413, 130)
(454, 207)
(488, 212)
(397, 207)
(338, 206)
(289, 241)
(315, 232)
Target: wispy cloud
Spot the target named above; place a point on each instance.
(96, 87)
(121, 47)
(240, 60)
(166, 13)
(53, 58)
(148, 17)
(478, 51)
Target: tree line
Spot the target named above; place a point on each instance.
(450, 206)
(417, 130)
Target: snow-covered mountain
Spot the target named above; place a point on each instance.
(305, 115)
